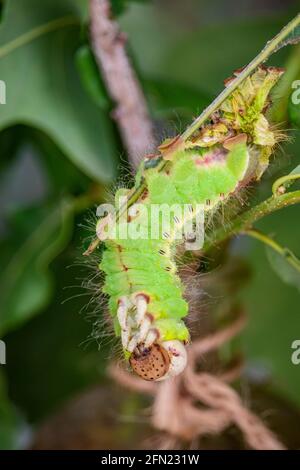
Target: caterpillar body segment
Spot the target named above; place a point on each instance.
(146, 295)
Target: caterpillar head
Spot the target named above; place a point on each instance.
(159, 361)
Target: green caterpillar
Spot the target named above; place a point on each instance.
(145, 293)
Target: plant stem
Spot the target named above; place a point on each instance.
(287, 254)
(130, 112)
(265, 239)
(270, 47)
(37, 32)
(281, 182)
(247, 219)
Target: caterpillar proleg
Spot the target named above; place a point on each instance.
(146, 295)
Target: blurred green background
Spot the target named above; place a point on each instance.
(60, 152)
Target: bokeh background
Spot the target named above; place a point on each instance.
(60, 153)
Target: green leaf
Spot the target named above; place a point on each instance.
(61, 357)
(119, 6)
(38, 235)
(286, 265)
(295, 171)
(273, 306)
(169, 97)
(285, 182)
(63, 176)
(39, 41)
(90, 77)
(282, 95)
(10, 141)
(10, 421)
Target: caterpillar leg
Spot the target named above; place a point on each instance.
(141, 303)
(131, 315)
(122, 314)
(142, 320)
(151, 338)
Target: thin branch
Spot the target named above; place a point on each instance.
(286, 253)
(280, 184)
(217, 339)
(271, 47)
(35, 33)
(176, 409)
(265, 240)
(131, 113)
(247, 219)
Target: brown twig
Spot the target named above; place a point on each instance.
(175, 410)
(216, 340)
(131, 112)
